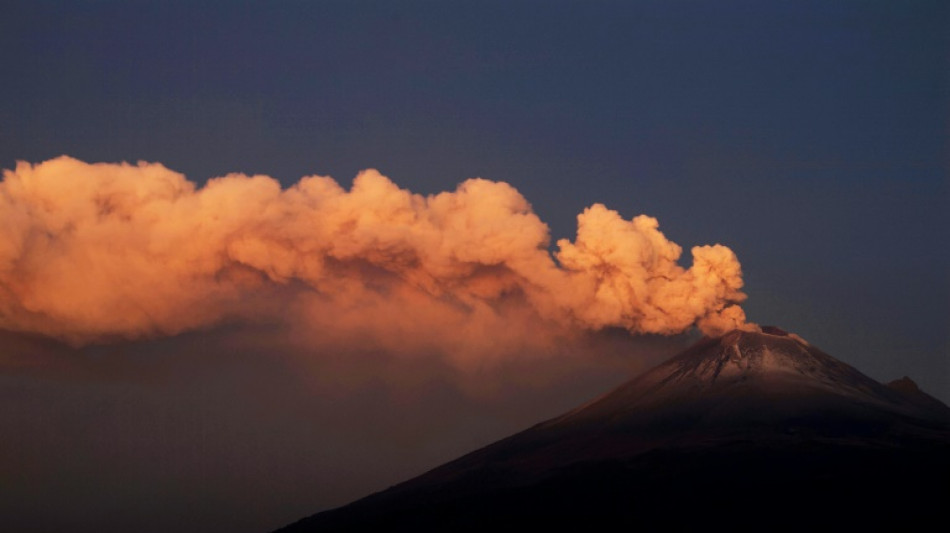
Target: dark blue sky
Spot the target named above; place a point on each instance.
(812, 138)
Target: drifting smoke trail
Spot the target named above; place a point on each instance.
(94, 251)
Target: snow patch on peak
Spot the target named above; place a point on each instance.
(742, 374)
(742, 358)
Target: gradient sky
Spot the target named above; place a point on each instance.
(812, 138)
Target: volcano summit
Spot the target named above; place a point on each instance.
(749, 430)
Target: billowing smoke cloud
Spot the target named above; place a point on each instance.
(90, 252)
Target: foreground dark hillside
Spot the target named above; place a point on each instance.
(741, 486)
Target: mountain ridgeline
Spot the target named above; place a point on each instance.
(750, 430)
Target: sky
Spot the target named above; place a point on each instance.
(163, 371)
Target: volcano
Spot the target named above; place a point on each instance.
(750, 430)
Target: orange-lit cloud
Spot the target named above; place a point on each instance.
(97, 251)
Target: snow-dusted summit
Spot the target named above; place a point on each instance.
(762, 380)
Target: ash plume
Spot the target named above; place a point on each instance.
(92, 252)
